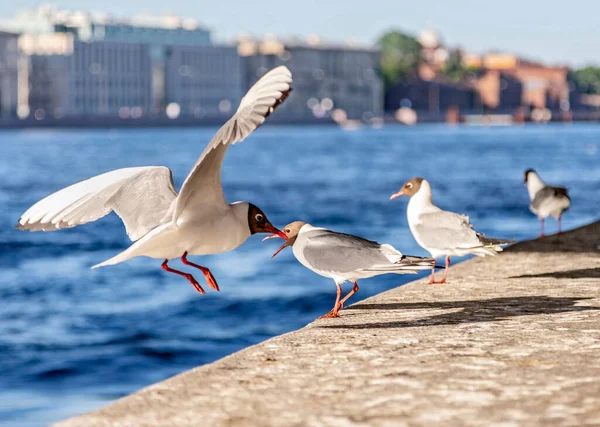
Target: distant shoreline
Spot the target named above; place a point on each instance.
(480, 119)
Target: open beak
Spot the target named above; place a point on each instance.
(276, 233)
(285, 245)
(396, 195)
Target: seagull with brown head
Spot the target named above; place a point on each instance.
(442, 233)
(345, 258)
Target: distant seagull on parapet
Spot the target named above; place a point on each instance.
(345, 258)
(162, 223)
(545, 200)
(442, 233)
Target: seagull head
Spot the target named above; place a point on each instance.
(409, 188)
(290, 233)
(258, 222)
(527, 172)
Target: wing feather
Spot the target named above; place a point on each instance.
(140, 196)
(445, 229)
(203, 184)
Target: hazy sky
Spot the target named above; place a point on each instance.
(551, 30)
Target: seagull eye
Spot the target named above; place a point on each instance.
(288, 231)
(259, 217)
(409, 185)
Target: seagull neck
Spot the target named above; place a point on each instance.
(240, 212)
(421, 201)
(534, 184)
(307, 227)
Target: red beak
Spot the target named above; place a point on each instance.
(276, 233)
(280, 249)
(396, 195)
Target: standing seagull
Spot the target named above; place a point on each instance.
(161, 223)
(344, 257)
(442, 233)
(545, 200)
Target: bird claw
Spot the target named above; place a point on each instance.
(212, 283)
(196, 285)
(330, 315)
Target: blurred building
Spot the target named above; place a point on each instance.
(542, 86)
(9, 63)
(95, 26)
(87, 65)
(203, 81)
(433, 55)
(498, 91)
(68, 77)
(430, 96)
(327, 78)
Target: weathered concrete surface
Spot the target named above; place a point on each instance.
(511, 341)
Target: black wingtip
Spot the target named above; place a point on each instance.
(283, 97)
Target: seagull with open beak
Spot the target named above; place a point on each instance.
(344, 257)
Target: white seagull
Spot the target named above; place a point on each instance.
(344, 257)
(442, 233)
(545, 200)
(162, 223)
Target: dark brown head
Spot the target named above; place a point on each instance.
(290, 232)
(258, 222)
(527, 172)
(409, 188)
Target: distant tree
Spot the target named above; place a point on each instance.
(455, 68)
(587, 80)
(400, 56)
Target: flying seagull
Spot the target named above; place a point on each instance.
(344, 257)
(162, 223)
(442, 233)
(545, 200)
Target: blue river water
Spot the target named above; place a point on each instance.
(73, 339)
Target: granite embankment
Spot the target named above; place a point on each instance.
(512, 340)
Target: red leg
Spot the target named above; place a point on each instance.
(432, 279)
(188, 276)
(542, 227)
(336, 308)
(446, 270)
(210, 279)
(352, 292)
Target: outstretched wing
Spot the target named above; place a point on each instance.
(140, 196)
(203, 184)
(445, 229)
